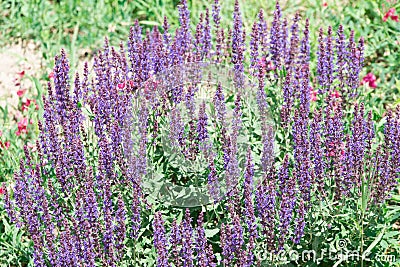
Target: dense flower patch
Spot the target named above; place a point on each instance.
(81, 201)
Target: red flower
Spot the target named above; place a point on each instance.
(314, 94)
(21, 74)
(51, 75)
(21, 92)
(131, 83)
(2, 191)
(370, 79)
(325, 4)
(5, 145)
(22, 124)
(27, 103)
(121, 85)
(336, 94)
(266, 65)
(391, 14)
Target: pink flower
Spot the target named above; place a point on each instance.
(51, 75)
(325, 4)
(391, 14)
(22, 124)
(21, 74)
(131, 83)
(20, 92)
(121, 85)
(5, 145)
(370, 79)
(395, 18)
(1, 133)
(314, 94)
(27, 103)
(336, 94)
(2, 191)
(266, 65)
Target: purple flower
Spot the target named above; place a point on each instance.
(275, 42)
(317, 154)
(175, 239)
(186, 235)
(120, 229)
(287, 184)
(254, 46)
(265, 199)
(160, 241)
(248, 204)
(238, 46)
(205, 257)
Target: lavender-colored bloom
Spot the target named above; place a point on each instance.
(254, 46)
(250, 218)
(232, 171)
(207, 35)
(213, 183)
(262, 32)
(186, 235)
(329, 60)
(294, 42)
(160, 241)
(266, 129)
(120, 229)
(202, 132)
(184, 35)
(199, 39)
(238, 46)
(205, 257)
(216, 9)
(166, 39)
(287, 184)
(388, 164)
(304, 55)
(285, 42)
(108, 237)
(333, 133)
(175, 240)
(299, 222)
(275, 42)
(219, 103)
(341, 56)
(265, 200)
(355, 63)
(316, 153)
(176, 128)
(136, 218)
(237, 240)
(225, 238)
(288, 100)
(321, 59)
